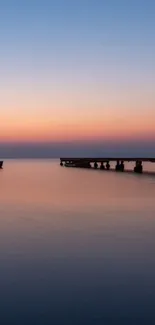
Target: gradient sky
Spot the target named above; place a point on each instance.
(77, 70)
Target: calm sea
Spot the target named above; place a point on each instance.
(77, 246)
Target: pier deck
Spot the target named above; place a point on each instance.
(91, 160)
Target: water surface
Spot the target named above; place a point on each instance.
(76, 246)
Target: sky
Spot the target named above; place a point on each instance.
(77, 72)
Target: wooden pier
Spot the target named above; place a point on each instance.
(104, 163)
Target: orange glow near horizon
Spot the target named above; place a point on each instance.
(91, 128)
(73, 116)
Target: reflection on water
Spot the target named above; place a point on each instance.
(76, 246)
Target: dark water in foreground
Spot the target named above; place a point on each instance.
(76, 246)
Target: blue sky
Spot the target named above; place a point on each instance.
(77, 69)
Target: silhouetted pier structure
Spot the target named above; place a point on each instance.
(1, 164)
(104, 163)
